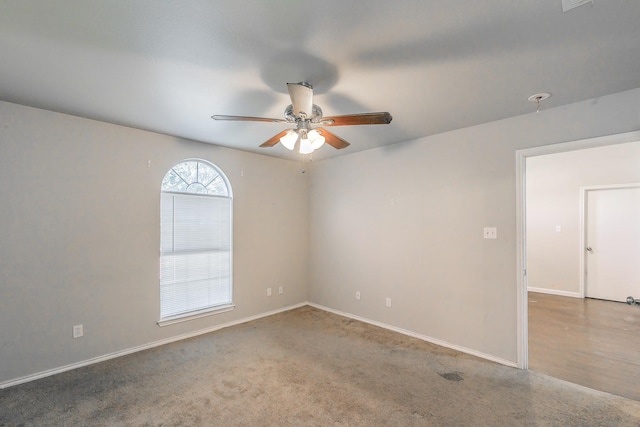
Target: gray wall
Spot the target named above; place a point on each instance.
(406, 222)
(79, 228)
(553, 199)
(79, 236)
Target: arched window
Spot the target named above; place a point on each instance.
(195, 241)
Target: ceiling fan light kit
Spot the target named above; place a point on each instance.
(305, 115)
(308, 140)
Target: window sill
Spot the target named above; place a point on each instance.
(195, 315)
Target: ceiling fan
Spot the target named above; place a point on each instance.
(308, 134)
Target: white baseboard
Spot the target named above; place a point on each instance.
(143, 347)
(136, 349)
(420, 336)
(554, 292)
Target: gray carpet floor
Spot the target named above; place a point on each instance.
(307, 367)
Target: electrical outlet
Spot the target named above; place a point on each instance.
(358, 295)
(78, 331)
(268, 292)
(388, 302)
(490, 233)
(280, 290)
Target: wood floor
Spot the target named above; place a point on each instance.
(589, 342)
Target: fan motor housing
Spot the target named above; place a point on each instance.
(316, 114)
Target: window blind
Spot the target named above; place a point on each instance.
(195, 253)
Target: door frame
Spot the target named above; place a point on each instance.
(521, 252)
(583, 226)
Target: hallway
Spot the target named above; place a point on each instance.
(590, 342)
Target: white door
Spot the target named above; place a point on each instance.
(612, 250)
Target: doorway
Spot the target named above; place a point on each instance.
(521, 195)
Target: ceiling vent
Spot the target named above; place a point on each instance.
(567, 5)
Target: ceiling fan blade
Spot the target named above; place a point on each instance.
(333, 140)
(382, 118)
(274, 139)
(301, 98)
(247, 119)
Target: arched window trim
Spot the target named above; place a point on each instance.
(218, 171)
(172, 253)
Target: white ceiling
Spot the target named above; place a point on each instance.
(435, 65)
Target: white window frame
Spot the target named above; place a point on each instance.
(198, 190)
